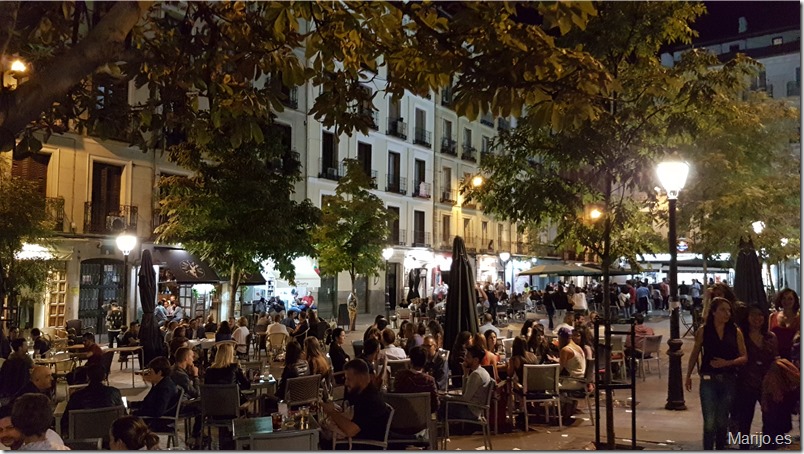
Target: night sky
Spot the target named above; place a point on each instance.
(721, 19)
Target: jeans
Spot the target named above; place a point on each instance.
(550, 313)
(743, 411)
(112, 338)
(717, 393)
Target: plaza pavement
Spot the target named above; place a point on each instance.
(657, 428)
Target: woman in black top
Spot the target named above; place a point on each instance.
(225, 370)
(224, 332)
(723, 352)
(457, 356)
(295, 366)
(336, 353)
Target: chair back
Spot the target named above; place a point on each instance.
(395, 365)
(249, 339)
(93, 423)
(403, 314)
(220, 401)
(210, 335)
(302, 390)
(304, 440)
(71, 389)
(388, 424)
(357, 347)
(277, 340)
(412, 411)
(617, 344)
(106, 361)
(652, 344)
(540, 378)
(320, 330)
(77, 325)
(84, 444)
(299, 337)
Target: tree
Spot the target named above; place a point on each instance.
(745, 168)
(237, 209)
(23, 219)
(545, 175)
(353, 231)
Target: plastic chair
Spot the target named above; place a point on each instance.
(220, 404)
(377, 444)
(171, 420)
(245, 356)
(412, 415)
(277, 343)
(93, 423)
(302, 390)
(540, 385)
(618, 353)
(392, 366)
(305, 440)
(508, 344)
(482, 420)
(84, 444)
(650, 348)
(589, 378)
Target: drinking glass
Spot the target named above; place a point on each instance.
(276, 420)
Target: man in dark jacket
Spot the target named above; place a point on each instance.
(162, 396)
(95, 395)
(185, 375)
(436, 365)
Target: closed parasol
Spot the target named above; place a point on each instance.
(461, 308)
(748, 280)
(150, 338)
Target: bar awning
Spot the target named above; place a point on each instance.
(185, 267)
(306, 274)
(253, 279)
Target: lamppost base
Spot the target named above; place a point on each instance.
(676, 406)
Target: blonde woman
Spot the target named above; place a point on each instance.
(225, 370)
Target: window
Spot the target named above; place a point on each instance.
(32, 168)
(734, 48)
(419, 235)
(448, 129)
(467, 137)
(484, 230)
(329, 155)
(364, 157)
(500, 237)
(485, 146)
(397, 236)
(106, 215)
(394, 109)
(419, 170)
(446, 234)
(467, 228)
(776, 41)
(447, 179)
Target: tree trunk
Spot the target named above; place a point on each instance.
(102, 45)
(352, 305)
(234, 283)
(705, 268)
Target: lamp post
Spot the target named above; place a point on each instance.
(125, 242)
(504, 257)
(387, 253)
(673, 174)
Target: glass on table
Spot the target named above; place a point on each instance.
(276, 420)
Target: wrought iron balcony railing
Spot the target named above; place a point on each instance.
(397, 128)
(55, 211)
(469, 153)
(330, 170)
(109, 220)
(449, 146)
(422, 137)
(422, 190)
(421, 238)
(395, 183)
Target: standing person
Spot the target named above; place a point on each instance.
(762, 351)
(696, 292)
(785, 322)
(664, 288)
(493, 298)
(579, 303)
(561, 302)
(549, 305)
(114, 323)
(642, 297)
(724, 351)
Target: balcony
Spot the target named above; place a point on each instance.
(448, 197)
(487, 120)
(397, 237)
(503, 124)
(373, 177)
(444, 243)
(156, 221)
(469, 204)
(373, 116)
(109, 220)
(449, 146)
(520, 247)
(55, 212)
(395, 183)
(421, 238)
(291, 97)
(503, 246)
(446, 96)
(422, 137)
(469, 153)
(794, 88)
(422, 190)
(397, 128)
(471, 243)
(329, 170)
(485, 246)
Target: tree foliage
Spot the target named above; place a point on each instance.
(546, 176)
(745, 168)
(354, 227)
(23, 219)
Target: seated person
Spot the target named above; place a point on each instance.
(162, 397)
(302, 327)
(31, 417)
(369, 416)
(370, 354)
(640, 333)
(225, 370)
(290, 321)
(178, 340)
(95, 395)
(277, 326)
(435, 365)
(41, 382)
(240, 335)
(295, 366)
(519, 357)
(336, 351)
(11, 438)
(210, 326)
(415, 380)
(572, 361)
(19, 350)
(224, 332)
(14, 375)
(94, 356)
(389, 350)
(488, 325)
(131, 339)
(40, 345)
(185, 375)
(457, 357)
(474, 384)
(130, 433)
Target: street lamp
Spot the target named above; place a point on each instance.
(504, 257)
(673, 174)
(126, 243)
(477, 181)
(387, 253)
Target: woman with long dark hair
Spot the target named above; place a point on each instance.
(723, 348)
(457, 356)
(130, 433)
(785, 322)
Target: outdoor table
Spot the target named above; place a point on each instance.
(52, 361)
(133, 349)
(243, 428)
(263, 386)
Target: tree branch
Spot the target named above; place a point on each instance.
(102, 45)
(8, 22)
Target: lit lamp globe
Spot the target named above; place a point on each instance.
(387, 253)
(126, 242)
(477, 181)
(504, 256)
(673, 174)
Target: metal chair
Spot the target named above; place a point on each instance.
(359, 441)
(540, 385)
(589, 378)
(220, 404)
(245, 355)
(650, 348)
(302, 390)
(482, 420)
(304, 440)
(93, 423)
(412, 415)
(618, 353)
(392, 366)
(276, 342)
(171, 421)
(84, 444)
(508, 344)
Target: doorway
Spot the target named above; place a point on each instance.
(101, 282)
